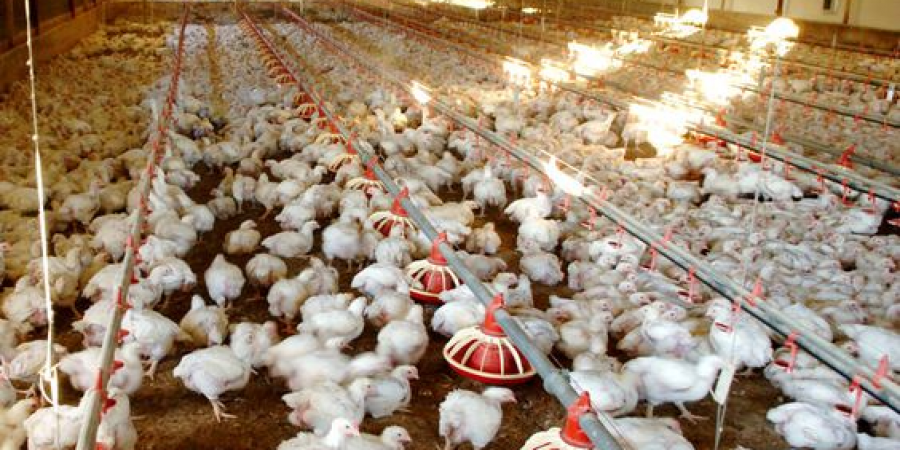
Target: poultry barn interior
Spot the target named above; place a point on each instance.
(419, 224)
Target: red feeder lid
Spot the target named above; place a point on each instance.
(397, 207)
(436, 256)
(571, 437)
(572, 433)
(433, 274)
(490, 326)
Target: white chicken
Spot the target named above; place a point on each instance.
(81, 368)
(379, 277)
(871, 343)
(390, 392)
(391, 438)
(285, 298)
(252, 341)
(808, 426)
(525, 209)
(316, 407)
(342, 240)
(292, 244)
(388, 306)
(613, 393)
(12, 423)
(470, 417)
(154, 333)
(738, 338)
(213, 371)
(483, 240)
(404, 341)
(346, 324)
(242, 241)
(224, 281)
(338, 437)
(207, 325)
(662, 380)
(264, 270)
(489, 191)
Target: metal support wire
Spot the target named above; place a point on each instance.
(555, 379)
(837, 174)
(97, 396)
(884, 390)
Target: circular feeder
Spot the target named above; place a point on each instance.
(344, 158)
(434, 275)
(485, 354)
(571, 437)
(369, 183)
(385, 221)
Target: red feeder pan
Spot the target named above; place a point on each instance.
(433, 274)
(385, 221)
(369, 183)
(338, 161)
(485, 354)
(571, 437)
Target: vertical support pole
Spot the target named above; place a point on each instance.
(848, 5)
(72, 7)
(779, 8)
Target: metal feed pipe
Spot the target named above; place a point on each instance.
(97, 398)
(839, 175)
(870, 117)
(882, 389)
(555, 380)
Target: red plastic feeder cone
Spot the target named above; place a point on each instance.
(485, 354)
(336, 137)
(433, 274)
(369, 183)
(571, 437)
(385, 221)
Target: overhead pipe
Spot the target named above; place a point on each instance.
(880, 388)
(839, 175)
(555, 380)
(87, 437)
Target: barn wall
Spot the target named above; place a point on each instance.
(876, 14)
(882, 14)
(52, 41)
(812, 10)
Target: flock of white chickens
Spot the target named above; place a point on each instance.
(817, 258)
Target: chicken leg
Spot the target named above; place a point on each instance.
(219, 410)
(685, 414)
(151, 372)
